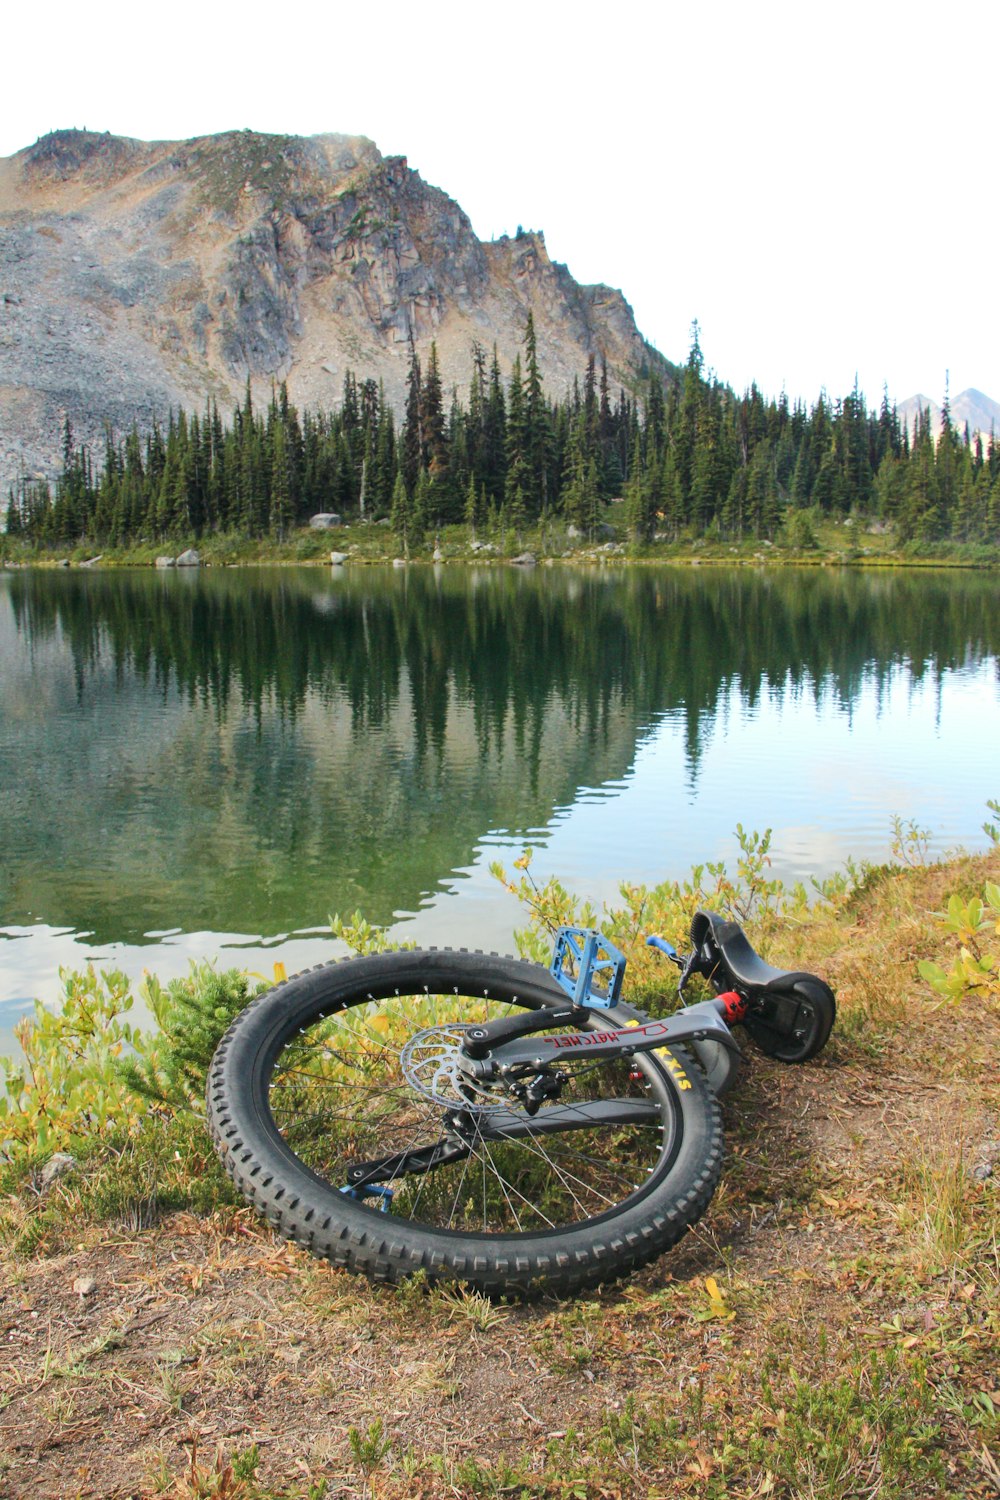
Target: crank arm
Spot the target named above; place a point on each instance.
(402, 1163)
(696, 1023)
(479, 1041)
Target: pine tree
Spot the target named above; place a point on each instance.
(735, 504)
(435, 444)
(280, 508)
(638, 498)
(537, 427)
(685, 427)
(518, 475)
(919, 517)
(473, 512)
(401, 514)
(801, 485)
(947, 459)
(421, 515)
(495, 434)
(762, 493)
(413, 436)
(12, 523)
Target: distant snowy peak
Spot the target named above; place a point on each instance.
(981, 413)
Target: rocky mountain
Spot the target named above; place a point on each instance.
(135, 276)
(980, 412)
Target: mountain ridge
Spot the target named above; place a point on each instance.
(138, 276)
(970, 408)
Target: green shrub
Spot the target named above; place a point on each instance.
(193, 1015)
(67, 1089)
(976, 969)
(666, 910)
(87, 1075)
(798, 531)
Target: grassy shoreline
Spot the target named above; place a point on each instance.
(162, 1341)
(366, 544)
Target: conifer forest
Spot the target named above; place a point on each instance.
(689, 458)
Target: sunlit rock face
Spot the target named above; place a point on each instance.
(136, 276)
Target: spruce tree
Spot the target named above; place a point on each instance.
(12, 522)
(413, 437)
(401, 514)
(537, 428)
(473, 514)
(518, 476)
(495, 434)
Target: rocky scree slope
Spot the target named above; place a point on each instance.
(136, 276)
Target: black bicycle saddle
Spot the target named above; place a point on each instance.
(714, 937)
(790, 1013)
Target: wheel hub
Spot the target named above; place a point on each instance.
(434, 1063)
(431, 1062)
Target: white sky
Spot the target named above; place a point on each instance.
(815, 183)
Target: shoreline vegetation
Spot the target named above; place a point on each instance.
(830, 1326)
(842, 543)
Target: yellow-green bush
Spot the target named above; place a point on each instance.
(976, 969)
(88, 1074)
(67, 1088)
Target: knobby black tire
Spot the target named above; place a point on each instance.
(309, 1208)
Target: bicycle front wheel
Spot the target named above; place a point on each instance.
(339, 1108)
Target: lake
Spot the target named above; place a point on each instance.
(212, 761)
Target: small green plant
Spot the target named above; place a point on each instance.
(87, 1076)
(368, 1448)
(877, 1419)
(666, 909)
(550, 907)
(936, 1209)
(246, 1464)
(363, 937)
(798, 532)
(753, 894)
(910, 843)
(171, 1389)
(975, 970)
(992, 830)
(217, 1481)
(473, 1306)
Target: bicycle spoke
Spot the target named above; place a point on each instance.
(345, 1093)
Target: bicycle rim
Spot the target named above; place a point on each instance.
(356, 1095)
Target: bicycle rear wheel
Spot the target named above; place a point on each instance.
(338, 1108)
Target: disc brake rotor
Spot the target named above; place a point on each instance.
(430, 1063)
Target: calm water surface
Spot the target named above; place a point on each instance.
(212, 762)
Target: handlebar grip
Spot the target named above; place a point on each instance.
(663, 945)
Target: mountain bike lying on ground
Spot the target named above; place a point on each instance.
(484, 1120)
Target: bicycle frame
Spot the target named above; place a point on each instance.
(700, 1023)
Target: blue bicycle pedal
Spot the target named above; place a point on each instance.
(588, 966)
